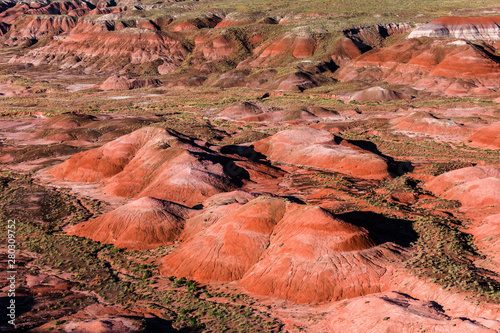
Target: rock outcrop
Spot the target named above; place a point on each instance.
(469, 28)
(452, 68)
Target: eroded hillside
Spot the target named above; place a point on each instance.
(228, 167)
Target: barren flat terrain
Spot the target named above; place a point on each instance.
(259, 166)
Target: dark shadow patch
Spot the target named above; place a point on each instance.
(382, 228)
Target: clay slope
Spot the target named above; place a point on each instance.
(424, 122)
(396, 312)
(488, 137)
(150, 162)
(315, 257)
(454, 68)
(117, 82)
(377, 94)
(471, 28)
(143, 224)
(107, 50)
(291, 251)
(296, 44)
(475, 187)
(318, 148)
(227, 249)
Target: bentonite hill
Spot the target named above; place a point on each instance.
(250, 166)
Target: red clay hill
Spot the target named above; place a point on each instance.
(470, 28)
(311, 147)
(286, 250)
(488, 137)
(149, 162)
(477, 186)
(143, 224)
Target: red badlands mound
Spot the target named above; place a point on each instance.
(486, 232)
(38, 27)
(286, 250)
(314, 257)
(424, 122)
(395, 312)
(74, 126)
(236, 19)
(475, 187)
(323, 112)
(226, 250)
(345, 50)
(143, 224)
(296, 82)
(488, 137)
(455, 68)
(183, 25)
(107, 49)
(240, 110)
(150, 162)
(214, 208)
(203, 21)
(214, 48)
(317, 148)
(116, 82)
(378, 94)
(69, 120)
(296, 44)
(280, 116)
(471, 28)
(104, 162)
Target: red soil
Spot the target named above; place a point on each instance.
(488, 137)
(432, 65)
(317, 148)
(230, 246)
(314, 257)
(143, 224)
(424, 122)
(116, 82)
(476, 187)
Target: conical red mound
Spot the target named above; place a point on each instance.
(228, 248)
(104, 162)
(143, 224)
(315, 257)
(317, 148)
(290, 251)
(477, 186)
(150, 162)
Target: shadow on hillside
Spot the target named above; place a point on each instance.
(396, 168)
(383, 229)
